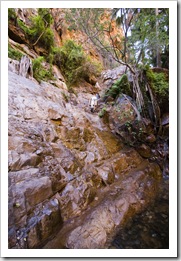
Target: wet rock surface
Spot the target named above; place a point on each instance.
(149, 229)
(112, 207)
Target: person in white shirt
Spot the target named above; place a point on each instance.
(94, 102)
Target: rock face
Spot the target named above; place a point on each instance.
(115, 206)
(51, 148)
(72, 181)
(26, 68)
(61, 159)
(113, 210)
(110, 76)
(23, 68)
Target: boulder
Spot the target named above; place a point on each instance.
(45, 224)
(110, 76)
(122, 112)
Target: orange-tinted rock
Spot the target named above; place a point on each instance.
(16, 34)
(151, 138)
(144, 151)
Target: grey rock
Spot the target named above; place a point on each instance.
(26, 68)
(13, 66)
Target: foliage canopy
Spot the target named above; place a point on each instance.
(148, 38)
(73, 62)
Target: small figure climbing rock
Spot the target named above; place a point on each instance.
(93, 102)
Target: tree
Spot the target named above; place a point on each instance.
(149, 37)
(41, 28)
(124, 18)
(144, 39)
(97, 24)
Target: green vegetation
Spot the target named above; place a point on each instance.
(24, 28)
(158, 82)
(39, 33)
(14, 54)
(11, 14)
(41, 28)
(124, 114)
(73, 63)
(149, 38)
(94, 22)
(120, 86)
(147, 43)
(45, 15)
(160, 86)
(39, 72)
(102, 112)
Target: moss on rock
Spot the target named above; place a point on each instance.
(120, 86)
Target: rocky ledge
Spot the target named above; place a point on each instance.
(68, 172)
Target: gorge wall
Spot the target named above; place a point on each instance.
(70, 174)
(62, 162)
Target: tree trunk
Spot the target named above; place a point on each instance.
(158, 56)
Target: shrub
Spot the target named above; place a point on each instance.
(73, 63)
(11, 14)
(102, 112)
(91, 68)
(39, 72)
(25, 29)
(120, 86)
(160, 86)
(39, 32)
(14, 54)
(45, 15)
